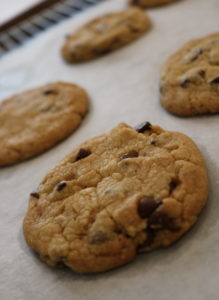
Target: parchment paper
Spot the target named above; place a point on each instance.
(123, 87)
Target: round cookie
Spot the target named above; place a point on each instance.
(150, 3)
(37, 119)
(128, 191)
(190, 78)
(105, 34)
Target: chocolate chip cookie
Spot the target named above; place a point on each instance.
(128, 191)
(105, 34)
(150, 3)
(37, 119)
(190, 78)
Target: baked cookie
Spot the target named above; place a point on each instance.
(131, 190)
(105, 34)
(190, 78)
(37, 119)
(150, 3)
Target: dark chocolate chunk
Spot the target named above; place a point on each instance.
(173, 185)
(143, 127)
(196, 54)
(184, 82)
(214, 81)
(160, 220)
(132, 154)
(147, 206)
(82, 153)
(49, 92)
(35, 195)
(60, 186)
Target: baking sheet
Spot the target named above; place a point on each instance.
(123, 87)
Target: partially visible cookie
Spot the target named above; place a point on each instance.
(128, 191)
(37, 119)
(150, 3)
(105, 34)
(190, 78)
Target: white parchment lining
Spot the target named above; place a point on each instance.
(123, 87)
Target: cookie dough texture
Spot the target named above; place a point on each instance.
(105, 34)
(150, 3)
(37, 119)
(190, 78)
(120, 193)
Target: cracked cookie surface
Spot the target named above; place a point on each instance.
(105, 34)
(37, 119)
(128, 191)
(190, 78)
(150, 3)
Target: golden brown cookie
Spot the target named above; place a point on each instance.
(190, 78)
(128, 191)
(37, 119)
(105, 34)
(150, 3)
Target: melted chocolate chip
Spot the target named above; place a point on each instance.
(214, 81)
(147, 206)
(133, 29)
(159, 220)
(132, 154)
(150, 238)
(143, 127)
(60, 186)
(104, 51)
(35, 195)
(49, 92)
(162, 90)
(82, 153)
(173, 185)
(98, 237)
(184, 82)
(152, 142)
(201, 73)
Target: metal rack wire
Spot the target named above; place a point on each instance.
(37, 19)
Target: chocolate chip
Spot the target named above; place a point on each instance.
(49, 92)
(82, 153)
(159, 220)
(201, 73)
(214, 81)
(196, 54)
(133, 29)
(98, 237)
(173, 185)
(150, 238)
(162, 90)
(152, 142)
(60, 186)
(147, 206)
(143, 127)
(184, 82)
(131, 154)
(35, 195)
(102, 51)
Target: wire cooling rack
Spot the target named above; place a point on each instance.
(37, 19)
